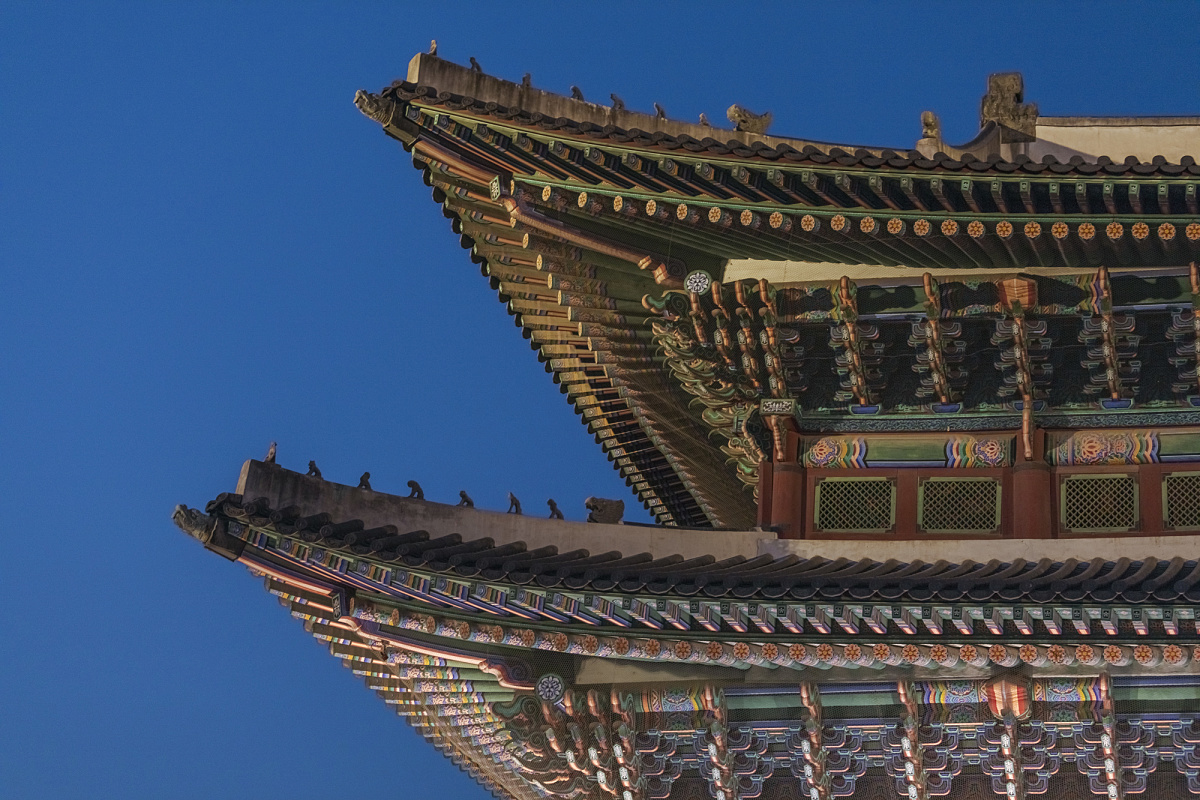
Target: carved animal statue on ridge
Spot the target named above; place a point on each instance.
(415, 491)
(313, 472)
(270, 457)
(554, 511)
(617, 103)
(475, 66)
(514, 505)
(527, 80)
(747, 121)
(365, 481)
(433, 47)
(931, 128)
(604, 511)
(464, 500)
(576, 93)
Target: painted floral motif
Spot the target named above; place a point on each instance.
(825, 652)
(808, 223)
(797, 652)
(921, 227)
(949, 227)
(1033, 229)
(895, 226)
(1085, 654)
(1114, 654)
(836, 452)
(683, 650)
(550, 688)
(1086, 231)
(770, 651)
(1140, 230)
(853, 652)
(1004, 229)
(1173, 654)
(867, 225)
(1145, 655)
(1115, 230)
(1107, 447)
(1166, 231)
(1059, 230)
(589, 643)
(1057, 654)
(1192, 231)
(714, 650)
(1028, 653)
(620, 645)
(968, 451)
(741, 651)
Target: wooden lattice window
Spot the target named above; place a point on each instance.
(856, 505)
(959, 505)
(1181, 501)
(1099, 503)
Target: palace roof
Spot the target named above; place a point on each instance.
(547, 673)
(674, 277)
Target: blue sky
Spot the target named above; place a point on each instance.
(204, 247)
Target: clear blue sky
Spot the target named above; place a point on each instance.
(204, 247)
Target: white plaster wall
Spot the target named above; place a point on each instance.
(1172, 141)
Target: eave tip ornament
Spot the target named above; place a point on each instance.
(745, 120)
(379, 108)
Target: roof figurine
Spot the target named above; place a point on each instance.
(704, 120)
(527, 80)
(745, 120)
(617, 103)
(464, 500)
(415, 491)
(475, 66)
(931, 127)
(313, 471)
(514, 505)
(365, 481)
(269, 458)
(659, 112)
(555, 513)
(433, 47)
(576, 93)
(609, 512)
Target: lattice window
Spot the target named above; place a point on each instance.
(1099, 503)
(959, 505)
(856, 505)
(1181, 501)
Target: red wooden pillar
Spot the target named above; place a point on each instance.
(765, 494)
(781, 483)
(1032, 492)
(787, 502)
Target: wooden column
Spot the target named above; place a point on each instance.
(1032, 491)
(765, 494)
(783, 509)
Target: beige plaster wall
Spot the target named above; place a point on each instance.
(1171, 138)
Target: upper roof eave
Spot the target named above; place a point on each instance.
(435, 81)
